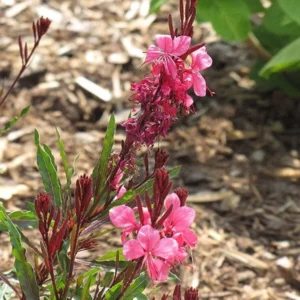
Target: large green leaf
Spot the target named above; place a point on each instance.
(292, 8)
(230, 18)
(288, 59)
(255, 6)
(101, 168)
(23, 268)
(48, 171)
(137, 287)
(10, 123)
(155, 5)
(278, 22)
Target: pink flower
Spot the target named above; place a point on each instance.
(168, 47)
(178, 222)
(122, 190)
(154, 250)
(200, 61)
(123, 217)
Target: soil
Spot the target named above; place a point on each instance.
(239, 153)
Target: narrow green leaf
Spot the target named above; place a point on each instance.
(22, 215)
(23, 268)
(137, 287)
(155, 5)
(114, 292)
(230, 18)
(86, 288)
(111, 256)
(49, 152)
(292, 8)
(48, 172)
(140, 297)
(100, 171)
(10, 123)
(288, 59)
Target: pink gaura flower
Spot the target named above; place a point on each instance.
(200, 61)
(154, 250)
(178, 222)
(166, 48)
(123, 217)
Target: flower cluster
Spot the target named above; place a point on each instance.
(164, 95)
(161, 235)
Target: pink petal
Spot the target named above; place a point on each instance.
(133, 250)
(166, 248)
(153, 53)
(181, 254)
(183, 217)
(199, 84)
(148, 237)
(201, 60)
(157, 269)
(172, 199)
(181, 44)
(188, 101)
(121, 192)
(165, 43)
(170, 66)
(190, 237)
(122, 216)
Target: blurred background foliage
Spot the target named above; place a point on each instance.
(270, 27)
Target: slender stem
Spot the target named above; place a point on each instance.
(72, 261)
(4, 279)
(257, 46)
(23, 68)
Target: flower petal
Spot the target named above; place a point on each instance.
(166, 248)
(181, 44)
(165, 43)
(172, 199)
(122, 216)
(133, 250)
(199, 84)
(148, 237)
(190, 237)
(153, 53)
(183, 217)
(157, 269)
(201, 60)
(170, 66)
(188, 101)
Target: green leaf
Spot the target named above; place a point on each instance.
(86, 289)
(155, 5)
(114, 292)
(230, 18)
(111, 256)
(48, 171)
(137, 287)
(288, 59)
(22, 215)
(23, 268)
(100, 171)
(278, 22)
(140, 297)
(123, 200)
(255, 6)
(10, 123)
(292, 8)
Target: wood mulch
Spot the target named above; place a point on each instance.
(239, 152)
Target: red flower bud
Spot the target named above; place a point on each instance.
(182, 195)
(83, 196)
(42, 205)
(191, 294)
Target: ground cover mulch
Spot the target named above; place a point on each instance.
(239, 152)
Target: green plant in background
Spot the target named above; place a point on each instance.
(274, 35)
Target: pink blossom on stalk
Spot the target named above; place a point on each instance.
(123, 217)
(168, 47)
(154, 250)
(200, 61)
(121, 191)
(178, 222)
